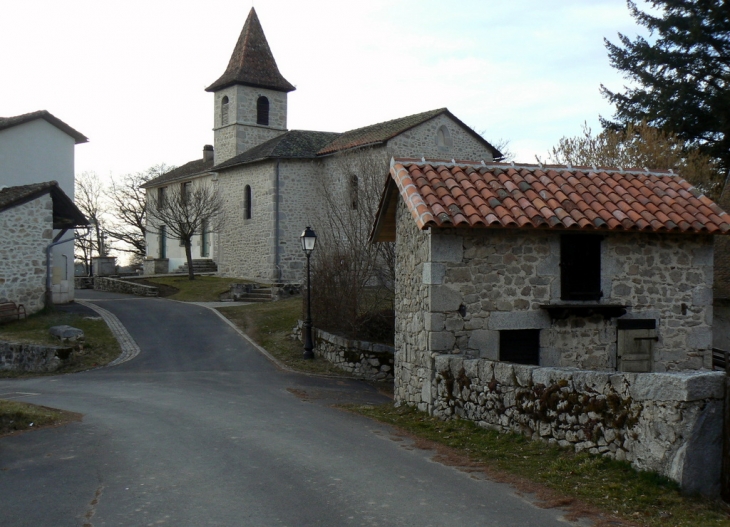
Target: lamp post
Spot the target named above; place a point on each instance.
(309, 239)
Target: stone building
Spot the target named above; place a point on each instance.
(515, 285)
(271, 177)
(29, 215)
(34, 148)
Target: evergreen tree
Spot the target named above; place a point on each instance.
(681, 74)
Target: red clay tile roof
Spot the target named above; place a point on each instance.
(252, 63)
(9, 122)
(448, 194)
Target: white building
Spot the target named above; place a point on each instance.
(34, 148)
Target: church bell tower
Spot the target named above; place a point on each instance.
(250, 98)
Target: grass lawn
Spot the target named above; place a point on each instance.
(100, 346)
(270, 325)
(570, 480)
(15, 416)
(202, 289)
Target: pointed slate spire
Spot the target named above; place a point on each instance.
(252, 63)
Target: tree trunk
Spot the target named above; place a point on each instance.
(189, 256)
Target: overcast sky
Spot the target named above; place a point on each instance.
(131, 75)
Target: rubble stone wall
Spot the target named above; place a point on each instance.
(670, 423)
(502, 278)
(18, 356)
(26, 232)
(103, 283)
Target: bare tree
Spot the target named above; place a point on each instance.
(185, 210)
(89, 198)
(638, 146)
(353, 278)
(128, 207)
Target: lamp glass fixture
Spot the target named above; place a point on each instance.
(309, 240)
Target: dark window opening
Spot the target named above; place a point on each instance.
(521, 346)
(204, 251)
(160, 198)
(162, 241)
(354, 183)
(185, 191)
(247, 203)
(262, 111)
(580, 267)
(224, 111)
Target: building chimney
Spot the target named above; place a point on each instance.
(208, 153)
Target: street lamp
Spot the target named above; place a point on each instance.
(309, 239)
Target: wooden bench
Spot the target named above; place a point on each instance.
(11, 309)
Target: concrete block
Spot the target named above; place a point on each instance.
(433, 273)
(486, 342)
(444, 299)
(519, 320)
(441, 341)
(700, 338)
(446, 248)
(679, 386)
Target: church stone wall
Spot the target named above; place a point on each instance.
(26, 232)
(241, 132)
(246, 245)
(423, 141)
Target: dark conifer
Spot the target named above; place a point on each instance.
(681, 73)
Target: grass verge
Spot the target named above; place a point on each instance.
(611, 488)
(270, 325)
(15, 417)
(202, 289)
(100, 346)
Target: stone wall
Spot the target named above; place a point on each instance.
(16, 356)
(413, 361)
(113, 285)
(366, 360)
(422, 141)
(241, 132)
(500, 279)
(670, 423)
(26, 232)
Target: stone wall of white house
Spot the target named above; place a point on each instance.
(670, 423)
(424, 140)
(235, 124)
(26, 232)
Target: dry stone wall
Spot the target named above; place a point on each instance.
(103, 283)
(670, 423)
(16, 356)
(26, 232)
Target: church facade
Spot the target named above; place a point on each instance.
(271, 178)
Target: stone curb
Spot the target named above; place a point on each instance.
(130, 349)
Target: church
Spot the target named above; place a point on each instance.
(271, 177)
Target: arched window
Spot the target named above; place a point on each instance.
(443, 137)
(262, 111)
(354, 183)
(224, 110)
(247, 203)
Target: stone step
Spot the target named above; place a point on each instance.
(250, 293)
(200, 266)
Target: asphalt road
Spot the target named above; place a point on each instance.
(200, 429)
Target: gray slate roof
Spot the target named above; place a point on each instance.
(9, 122)
(188, 170)
(252, 63)
(65, 213)
(295, 144)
